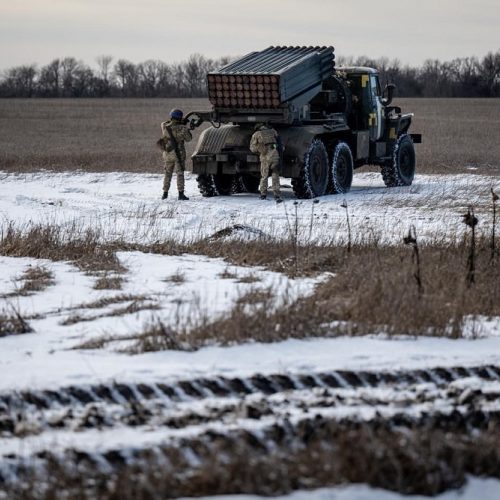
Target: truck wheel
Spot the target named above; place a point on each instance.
(313, 178)
(250, 183)
(224, 184)
(216, 184)
(206, 185)
(342, 169)
(401, 170)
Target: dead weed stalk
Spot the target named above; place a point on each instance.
(13, 323)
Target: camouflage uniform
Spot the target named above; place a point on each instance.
(181, 134)
(265, 142)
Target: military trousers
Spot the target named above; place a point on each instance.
(172, 164)
(269, 164)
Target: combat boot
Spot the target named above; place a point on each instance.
(278, 199)
(165, 195)
(263, 197)
(182, 196)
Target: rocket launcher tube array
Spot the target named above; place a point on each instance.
(270, 78)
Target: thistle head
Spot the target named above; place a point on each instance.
(469, 218)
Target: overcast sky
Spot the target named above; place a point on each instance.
(37, 31)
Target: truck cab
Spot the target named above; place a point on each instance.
(367, 106)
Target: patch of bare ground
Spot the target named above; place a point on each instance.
(459, 135)
(89, 134)
(425, 458)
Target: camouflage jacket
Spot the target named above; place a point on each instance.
(181, 134)
(264, 141)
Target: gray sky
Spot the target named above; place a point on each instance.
(410, 30)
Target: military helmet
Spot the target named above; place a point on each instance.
(176, 114)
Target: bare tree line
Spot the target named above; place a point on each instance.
(461, 77)
(68, 77)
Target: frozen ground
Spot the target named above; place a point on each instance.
(128, 206)
(355, 377)
(484, 489)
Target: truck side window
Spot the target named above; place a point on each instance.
(375, 84)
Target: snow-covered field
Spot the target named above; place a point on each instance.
(430, 375)
(484, 489)
(128, 206)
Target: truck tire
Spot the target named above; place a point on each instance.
(401, 170)
(342, 169)
(224, 184)
(313, 178)
(218, 185)
(206, 185)
(238, 186)
(250, 183)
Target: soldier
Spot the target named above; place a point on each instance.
(174, 135)
(265, 141)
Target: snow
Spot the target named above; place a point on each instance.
(128, 206)
(475, 488)
(202, 294)
(24, 364)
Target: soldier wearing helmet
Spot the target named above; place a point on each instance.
(266, 143)
(174, 135)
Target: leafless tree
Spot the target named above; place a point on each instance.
(126, 75)
(50, 79)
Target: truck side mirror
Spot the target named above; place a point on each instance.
(388, 94)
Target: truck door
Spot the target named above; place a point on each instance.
(375, 118)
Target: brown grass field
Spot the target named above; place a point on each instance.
(459, 135)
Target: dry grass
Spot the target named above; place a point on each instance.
(378, 292)
(457, 134)
(373, 289)
(106, 301)
(60, 243)
(108, 282)
(227, 274)
(83, 247)
(408, 459)
(177, 278)
(250, 278)
(36, 279)
(135, 306)
(13, 323)
(88, 134)
(119, 134)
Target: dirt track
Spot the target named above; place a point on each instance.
(202, 420)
